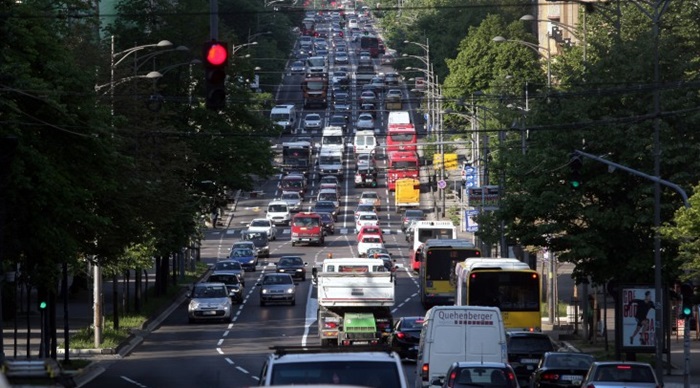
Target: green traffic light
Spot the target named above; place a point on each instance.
(687, 311)
(42, 305)
(575, 184)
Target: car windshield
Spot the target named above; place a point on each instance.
(277, 280)
(209, 292)
(412, 323)
(242, 252)
(277, 208)
(361, 373)
(227, 266)
(370, 217)
(290, 261)
(313, 118)
(327, 196)
(260, 223)
(626, 373)
(290, 196)
(481, 377)
(568, 361)
(307, 222)
(534, 344)
(369, 196)
(226, 279)
(325, 217)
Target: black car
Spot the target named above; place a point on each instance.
(233, 283)
(561, 370)
(466, 374)
(405, 336)
(326, 207)
(339, 121)
(328, 223)
(260, 240)
(411, 214)
(525, 350)
(292, 265)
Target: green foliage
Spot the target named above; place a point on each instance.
(684, 230)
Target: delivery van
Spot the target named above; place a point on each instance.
(458, 333)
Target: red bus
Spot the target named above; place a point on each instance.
(401, 137)
(370, 43)
(402, 164)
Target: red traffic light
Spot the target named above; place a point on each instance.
(216, 54)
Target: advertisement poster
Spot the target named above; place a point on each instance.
(638, 315)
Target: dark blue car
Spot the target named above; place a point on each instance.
(246, 257)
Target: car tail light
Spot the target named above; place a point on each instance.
(453, 376)
(511, 378)
(550, 376)
(424, 372)
(330, 325)
(400, 335)
(346, 342)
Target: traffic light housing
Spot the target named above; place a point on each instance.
(215, 58)
(575, 164)
(687, 302)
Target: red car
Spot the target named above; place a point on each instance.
(370, 230)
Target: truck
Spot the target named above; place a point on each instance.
(355, 297)
(315, 90)
(407, 194)
(285, 117)
(296, 157)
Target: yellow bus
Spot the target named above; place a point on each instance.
(508, 284)
(438, 260)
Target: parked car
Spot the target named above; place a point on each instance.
(209, 301)
(525, 350)
(478, 374)
(277, 288)
(561, 370)
(616, 374)
(405, 336)
(293, 265)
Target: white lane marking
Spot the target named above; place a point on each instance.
(230, 326)
(242, 370)
(230, 361)
(221, 341)
(219, 351)
(136, 383)
(226, 333)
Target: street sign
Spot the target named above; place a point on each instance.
(441, 184)
(471, 225)
(469, 176)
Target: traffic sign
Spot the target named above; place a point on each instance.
(441, 184)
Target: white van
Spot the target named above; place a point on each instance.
(399, 117)
(279, 212)
(285, 116)
(365, 142)
(458, 333)
(332, 138)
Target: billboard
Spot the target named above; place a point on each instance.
(638, 318)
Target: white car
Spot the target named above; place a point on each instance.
(366, 218)
(313, 121)
(370, 198)
(263, 225)
(368, 96)
(368, 242)
(365, 121)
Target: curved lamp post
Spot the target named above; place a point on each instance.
(536, 48)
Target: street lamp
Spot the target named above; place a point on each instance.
(235, 48)
(571, 29)
(251, 37)
(537, 48)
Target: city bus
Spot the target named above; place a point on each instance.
(439, 258)
(370, 43)
(508, 284)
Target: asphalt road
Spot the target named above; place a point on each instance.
(232, 354)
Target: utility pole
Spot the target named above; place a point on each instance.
(97, 306)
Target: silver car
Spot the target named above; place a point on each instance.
(277, 287)
(614, 374)
(209, 301)
(293, 200)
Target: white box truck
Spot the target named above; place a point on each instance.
(458, 333)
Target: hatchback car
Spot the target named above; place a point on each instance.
(525, 350)
(561, 370)
(368, 96)
(341, 57)
(394, 94)
(341, 102)
(260, 241)
(366, 218)
(292, 265)
(339, 121)
(405, 336)
(365, 121)
(263, 225)
(209, 301)
(328, 223)
(313, 121)
(478, 374)
(326, 207)
(297, 67)
(615, 374)
(246, 257)
(277, 287)
(363, 208)
(233, 283)
(231, 266)
(293, 200)
(411, 214)
(371, 198)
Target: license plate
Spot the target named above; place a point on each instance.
(573, 378)
(529, 360)
(209, 312)
(361, 343)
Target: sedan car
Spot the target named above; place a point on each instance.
(260, 241)
(297, 67)
(394, 94)
(339, 121)
(277, 287)
(363, 208)
(209, 301)
(411, 214)
(231, 266)
(313, 121)
(371, 198)
(365, 121)
(293, 200)
(292, 265)
(242, 244)
(341, 102)
(561, 370)
(233, 283)
(366, 218)
(525, 350)
(405, 335)
(341, 57)
(326, 207)
(478, 374)
(328, 223)
(246, 257)
(263, 225)
(368, 96)
(615, 374)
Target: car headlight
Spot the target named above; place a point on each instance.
(299, 270)
(281, 270)
(224, 306)
(251, 261)
(264, 291)
(194, 305)
(290, 290)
